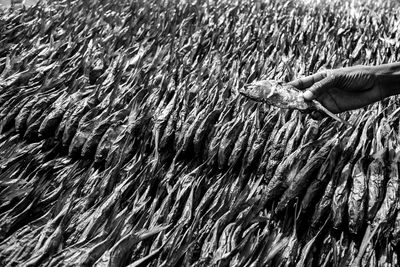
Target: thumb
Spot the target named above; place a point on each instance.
(318, 88)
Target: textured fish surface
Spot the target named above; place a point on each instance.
(285, 96)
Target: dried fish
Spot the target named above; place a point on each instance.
(303, 177)
(284, 96)
(357, 198)
(341, 195)
(376, 184)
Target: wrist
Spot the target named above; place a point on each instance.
(387, 78)
(388, 68)
(389, 84)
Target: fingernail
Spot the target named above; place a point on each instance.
(308, 95)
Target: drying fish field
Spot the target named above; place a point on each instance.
(124, 140)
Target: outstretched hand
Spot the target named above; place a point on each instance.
(342, 89)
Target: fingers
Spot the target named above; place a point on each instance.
(305, 82)
(318, 88)
(337, 100)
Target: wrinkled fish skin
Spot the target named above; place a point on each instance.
(303, 178)
(376, 185)
(357, 198)
(340, 197)
(283, 96)
(387, 212)
(322, 179)
(275, 93)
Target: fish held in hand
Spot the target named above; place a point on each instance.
(285, 96)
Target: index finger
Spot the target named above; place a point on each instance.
(305, 82)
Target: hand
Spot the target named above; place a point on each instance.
(342, 89)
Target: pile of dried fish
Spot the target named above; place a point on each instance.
(124, 140)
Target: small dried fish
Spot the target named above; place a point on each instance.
(284, 96)
(376, 174)
(341, 195)
(356, 206)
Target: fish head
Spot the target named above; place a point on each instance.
(259, 90)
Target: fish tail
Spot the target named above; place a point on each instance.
(332, 115)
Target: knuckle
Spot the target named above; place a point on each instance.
(330, 73)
